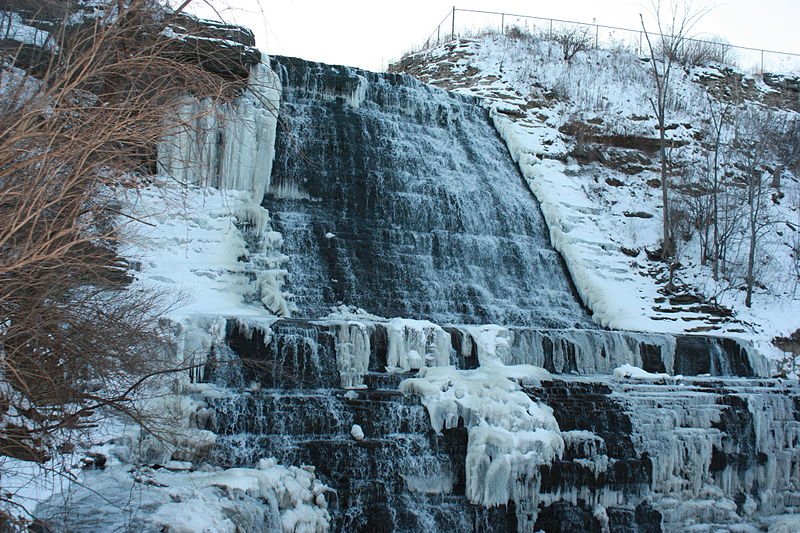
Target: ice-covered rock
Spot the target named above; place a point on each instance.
(510, 435)
(414, 344)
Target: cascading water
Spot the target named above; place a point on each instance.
(401, 199)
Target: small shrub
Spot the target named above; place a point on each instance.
(690, 52)
(573, 41)
(517, 33)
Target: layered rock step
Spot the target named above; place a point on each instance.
(638, 455)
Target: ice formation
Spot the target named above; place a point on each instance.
(565, 350)
(688, 433)
(230, 147)
(415, 344)
(510, 435)
(352, 352)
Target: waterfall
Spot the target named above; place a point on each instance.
(468, 443)
(401, 199)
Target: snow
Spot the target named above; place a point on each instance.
(785, 524)
(492, 341)
(13, 27)
(203, 244)
(349, 312)
(268, 497)
(635, 373)
(509, 433)
(357, 432)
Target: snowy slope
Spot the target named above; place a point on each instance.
(583, 133)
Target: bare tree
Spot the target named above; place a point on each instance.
(720, 115)
(75, 133)
(757, 142)
(673, 23)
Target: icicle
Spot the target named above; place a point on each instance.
(414, 344)
(352, 353)
(230, 147)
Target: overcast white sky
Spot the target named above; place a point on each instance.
(370, 34)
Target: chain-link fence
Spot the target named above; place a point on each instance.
(471, 22)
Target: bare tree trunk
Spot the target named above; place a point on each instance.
(668, 248)
(719, 124)
(751, 260)
(672, 33)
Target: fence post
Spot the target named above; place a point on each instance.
(551, 29)
(453, 27)
(439, 27)
(596, 36)
(762, 61)
(502, 23)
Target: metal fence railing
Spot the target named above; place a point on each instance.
(469, 22)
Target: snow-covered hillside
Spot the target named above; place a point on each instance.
(585, 137)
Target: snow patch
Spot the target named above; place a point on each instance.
(637, 374)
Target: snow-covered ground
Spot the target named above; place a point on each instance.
(605, 217)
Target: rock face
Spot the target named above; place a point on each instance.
(639, 456)
(401, 199)
(30, 33)
(223, 49)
